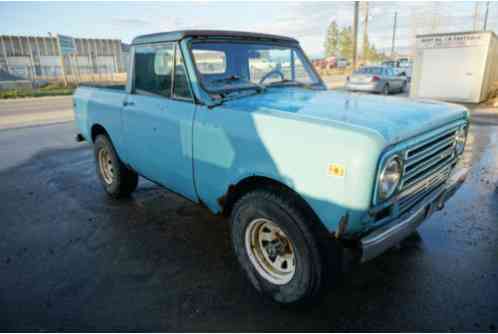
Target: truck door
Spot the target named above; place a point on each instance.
(158, 116)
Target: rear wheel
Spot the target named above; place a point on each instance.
(276, 246)
(117, 179)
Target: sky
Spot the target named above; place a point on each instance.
(306, 21)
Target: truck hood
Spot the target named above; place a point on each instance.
(394, 118)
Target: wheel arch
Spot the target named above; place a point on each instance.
(96, 130)
(254, 182)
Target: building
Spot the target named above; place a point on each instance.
(460, 67)
(39, 58)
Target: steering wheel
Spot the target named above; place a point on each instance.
(272, 73)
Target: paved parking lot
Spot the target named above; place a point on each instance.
(72, 259)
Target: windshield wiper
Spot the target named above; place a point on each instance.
(233, 78)
(224, 96)
(230, 78)
(288, 82)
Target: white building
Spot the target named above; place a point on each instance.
(458, 67)
(39, 57)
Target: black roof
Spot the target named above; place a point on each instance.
(180, 34)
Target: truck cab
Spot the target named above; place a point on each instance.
(242, 124)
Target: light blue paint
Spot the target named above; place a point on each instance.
(288, 134)
(157, 137)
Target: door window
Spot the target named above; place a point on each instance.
(153, 69)
(181, 89)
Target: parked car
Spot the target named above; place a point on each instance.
(342, 63)
(302, 172)
(325, 64)
(403, 66)
(390, 63)
(376, 79)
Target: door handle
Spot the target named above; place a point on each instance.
(128, 103)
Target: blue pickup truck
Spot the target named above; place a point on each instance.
(242, 124)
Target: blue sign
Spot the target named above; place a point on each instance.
(67, 45)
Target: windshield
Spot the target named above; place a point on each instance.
(231, 66)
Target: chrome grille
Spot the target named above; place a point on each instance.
(414, 195)
(427, 165)
(427, 156)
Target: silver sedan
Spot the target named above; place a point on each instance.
(376, 79)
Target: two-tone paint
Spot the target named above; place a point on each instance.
(290, 135)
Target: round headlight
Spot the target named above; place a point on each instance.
(389, 178)
(460, 138)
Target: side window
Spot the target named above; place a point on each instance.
(299, 69)
(210, 61)
(181, 88)
(153, 69)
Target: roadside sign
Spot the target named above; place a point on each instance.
(66, 45)
(454, 40)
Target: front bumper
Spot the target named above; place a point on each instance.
(389, 235)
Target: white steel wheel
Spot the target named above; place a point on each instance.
(270, 251)
(105, 165)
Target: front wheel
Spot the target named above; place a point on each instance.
(385, 89)
(117, 179)
(277, 248)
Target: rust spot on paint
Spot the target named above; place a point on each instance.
(222, 200)
(343, 225)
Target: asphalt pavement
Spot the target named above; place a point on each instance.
(35, 111)
(73, 259)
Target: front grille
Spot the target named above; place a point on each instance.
(426, 167)
(428, 156)
(418, 192)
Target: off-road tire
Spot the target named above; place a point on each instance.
(124, 179)
(318, 258)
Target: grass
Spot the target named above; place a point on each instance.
(49, 90)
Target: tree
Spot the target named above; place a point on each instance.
(331, 40)
(345, 43)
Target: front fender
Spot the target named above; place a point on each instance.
(230, 145)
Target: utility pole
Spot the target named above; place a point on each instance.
(486, 17)
(365, 34)
(436, 9)
(355, 32)
(394, 33)
(476, 15)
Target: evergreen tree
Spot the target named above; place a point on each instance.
(345, 43)
(331, 40)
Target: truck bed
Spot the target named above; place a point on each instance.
(99, 104)
(104, 86)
